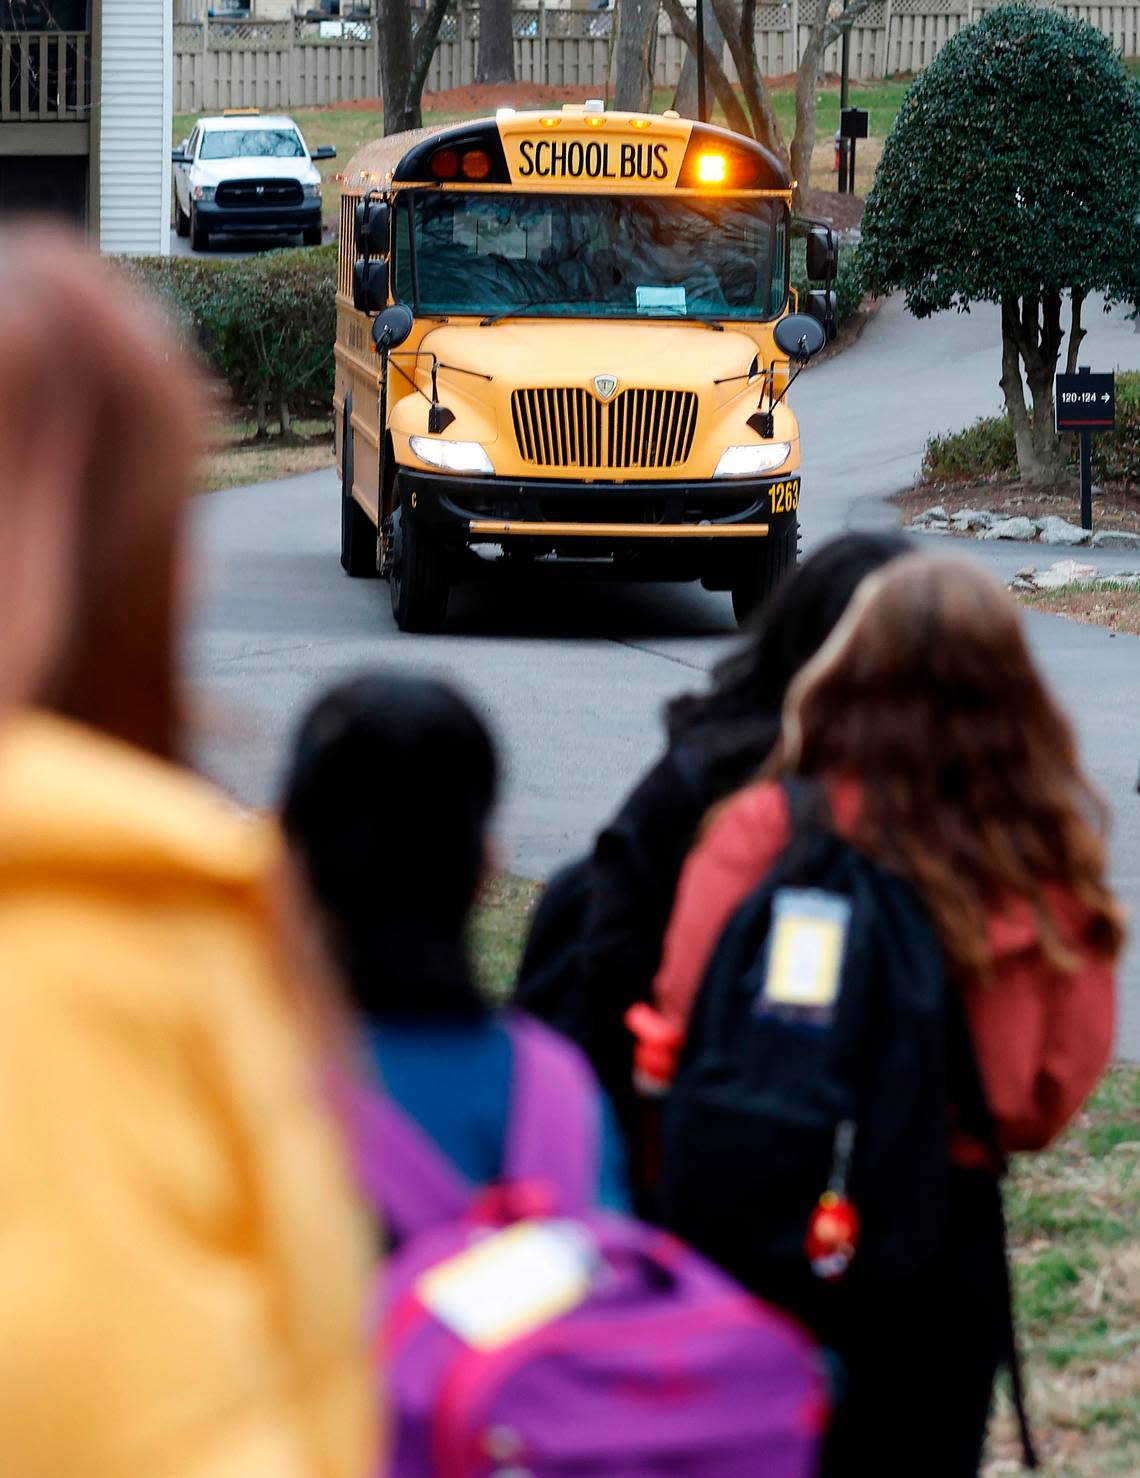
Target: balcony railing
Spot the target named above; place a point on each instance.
(45, 76)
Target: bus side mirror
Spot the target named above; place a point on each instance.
(799, 336)
(369, 285)
(822, 254)
(391, 328)
(373, 228)
(824, 308)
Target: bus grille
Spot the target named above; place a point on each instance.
(571, 428)
(257, 193)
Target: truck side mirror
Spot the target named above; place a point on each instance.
(822, 254)
(373, 228)
(326, 151)
(179, 156)
(799, 336)
(369, 285)
(824, 308)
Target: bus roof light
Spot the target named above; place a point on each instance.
(502, 114)
(712, 169)
(476, 164)
(445, 164)
(550, 122)
(594, 105)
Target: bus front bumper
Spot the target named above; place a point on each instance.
(581, 516)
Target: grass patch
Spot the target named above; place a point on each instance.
(498, 930)
(1073, 1217)
(1114, 605)
(243, 457)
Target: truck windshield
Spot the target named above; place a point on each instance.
(593, 256)
(252, 143)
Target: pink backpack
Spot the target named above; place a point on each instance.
(524, 1334)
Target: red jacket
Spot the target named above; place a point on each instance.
(1042, 1037)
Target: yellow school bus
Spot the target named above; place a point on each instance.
(564, 336)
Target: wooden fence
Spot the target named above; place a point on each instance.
(295, 64)
(273, 64)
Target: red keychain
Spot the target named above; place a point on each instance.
(833, 1227)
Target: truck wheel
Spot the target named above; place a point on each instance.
(357, 534)
(757, 582)
(419, 582)
(311, 236)
(199, 236)
(181, 220)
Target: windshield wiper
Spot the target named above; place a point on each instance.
(520, 310)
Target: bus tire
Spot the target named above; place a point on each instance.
(199, 236)
(357, 533)
(757, 582)
(419, 580)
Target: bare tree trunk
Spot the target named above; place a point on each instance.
(496, 42)
(634, 54)
(285, 418)
(261, 410)
(685, 99)
(1031, 336)
(803, 140)
(721, 86)
(404, 60)
(739, 27)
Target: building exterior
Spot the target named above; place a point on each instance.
(85, 122)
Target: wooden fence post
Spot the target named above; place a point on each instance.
(543, 77)
(201, 108)
(887, 17)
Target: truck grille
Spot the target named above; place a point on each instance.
(571, 428)
(253, 194)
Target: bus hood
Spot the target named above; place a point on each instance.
(591, 353)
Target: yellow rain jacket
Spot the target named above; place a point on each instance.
(182, 1265)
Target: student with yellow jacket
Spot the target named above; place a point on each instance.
(182, 1263)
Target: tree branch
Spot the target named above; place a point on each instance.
(424, 44)
(725, 92)
(834, 28)
(765, 125)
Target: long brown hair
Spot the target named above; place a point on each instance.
(926, 695)
(109, 418)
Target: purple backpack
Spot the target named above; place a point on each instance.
(525, 1334)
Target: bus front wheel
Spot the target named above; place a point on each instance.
(419, 581)
(756, 582)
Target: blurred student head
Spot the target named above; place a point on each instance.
(737, 720)
(99, 418)
(387, 802)
(926, 694)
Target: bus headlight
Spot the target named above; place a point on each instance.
(751, 461)
(451, 456)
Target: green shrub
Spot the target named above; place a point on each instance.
(848, 281)
(987, 447)
(265, 325)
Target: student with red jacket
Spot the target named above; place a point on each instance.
(945, 759)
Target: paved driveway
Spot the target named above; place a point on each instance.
(573, 675)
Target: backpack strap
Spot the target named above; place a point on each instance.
(554, 1120)
(399, 1168)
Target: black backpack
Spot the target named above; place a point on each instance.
(769, 1088)
(763, 1087)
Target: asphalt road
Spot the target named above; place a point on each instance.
(573, 675)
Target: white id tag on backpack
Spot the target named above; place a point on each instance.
(806, 944)
(511, 1282)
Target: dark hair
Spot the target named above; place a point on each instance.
(736, 722)
(386, 802)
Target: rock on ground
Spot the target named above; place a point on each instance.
(1022, 529)
(1115, 539)
(1056, 530)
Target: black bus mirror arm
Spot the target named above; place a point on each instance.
(762, 421)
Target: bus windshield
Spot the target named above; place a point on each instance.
(592, 256)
